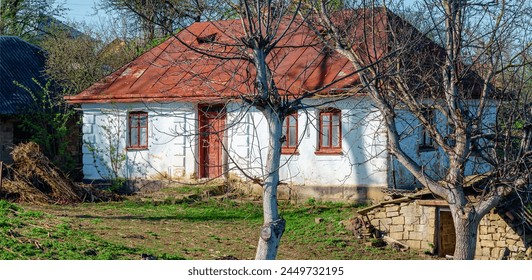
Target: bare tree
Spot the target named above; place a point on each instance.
(457, 78)
(157, 19)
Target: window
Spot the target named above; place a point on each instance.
(290, 133)
(330, 132)
(426, 142)
(138, 130)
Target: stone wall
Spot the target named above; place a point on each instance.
(425, 228)
(497, 240)
(407, 222)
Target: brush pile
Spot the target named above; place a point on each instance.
(33, 178)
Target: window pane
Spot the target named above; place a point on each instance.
(143, 120)
(325, 136)
(336, 119)
(292, 139)
(335, 135)
(325, 119)
(143, 136)
(292, 120)
(134, 140)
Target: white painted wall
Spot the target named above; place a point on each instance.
(172, 145)
(362, 163)
(171, 141)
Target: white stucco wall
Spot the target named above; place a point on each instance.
(172, 144)
(171, 141)
(363, 161)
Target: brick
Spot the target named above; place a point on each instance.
(496, 236)
(492, 229)
(397, 228)
(420, 228)
(410, 219)
(510, 241)
(380, 215)
(386, 222)
(396, 235)
(483, 230)
(486, 252)
(415, 235)
(496, 253)
(398, 220)
(392, 214)
(392, 208)
(487, 243)
(409, 227)
(500, 243)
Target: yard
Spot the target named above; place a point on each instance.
(166, 226)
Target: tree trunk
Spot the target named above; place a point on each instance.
(466, 224)
(274, 225)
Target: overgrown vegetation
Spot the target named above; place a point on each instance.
(50, 123)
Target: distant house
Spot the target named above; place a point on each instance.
(177, 113)
(20, 64)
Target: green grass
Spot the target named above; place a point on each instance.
(191, 230)
(36, 235)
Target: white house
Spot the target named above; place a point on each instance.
(176, 113)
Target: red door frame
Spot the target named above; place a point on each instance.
(211, 127)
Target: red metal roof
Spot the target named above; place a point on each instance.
(176, 71)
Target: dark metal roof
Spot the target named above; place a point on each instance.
(19, 62)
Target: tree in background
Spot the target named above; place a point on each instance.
(480, 55)
(75, 63)
(153, 19)
(28, 19)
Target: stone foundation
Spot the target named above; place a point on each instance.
(353, 194)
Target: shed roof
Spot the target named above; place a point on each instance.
(20, 62)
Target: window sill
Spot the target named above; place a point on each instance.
(289, 151)
(137, 148)
(329, 152)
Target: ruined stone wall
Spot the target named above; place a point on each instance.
(419, 226)
(409, 223)
(497, 240)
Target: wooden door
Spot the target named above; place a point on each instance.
(211, 131)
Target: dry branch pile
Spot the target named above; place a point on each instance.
(33, 178)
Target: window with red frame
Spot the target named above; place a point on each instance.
(138, 130)
(330, 131)
(290, 134)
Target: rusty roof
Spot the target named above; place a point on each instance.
(195, 65)
(203, 63)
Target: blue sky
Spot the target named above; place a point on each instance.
(81, 10)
